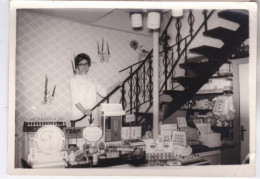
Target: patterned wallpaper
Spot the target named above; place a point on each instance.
(46, 46)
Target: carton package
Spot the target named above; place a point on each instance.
(211, 140)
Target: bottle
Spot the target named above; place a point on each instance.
(91, 149)
(102, 148)
(86, 151)
(95, 154)
(72, 156)
(95, 158)
(95, 148)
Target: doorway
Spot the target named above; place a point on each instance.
(244, 109)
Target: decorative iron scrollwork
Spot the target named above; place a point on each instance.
(191, 20)
(178, 25)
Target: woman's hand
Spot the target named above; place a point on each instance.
(88, 112)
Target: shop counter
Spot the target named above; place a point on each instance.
(123, 162)
(211, 154)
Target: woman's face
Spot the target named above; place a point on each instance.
(83, 67)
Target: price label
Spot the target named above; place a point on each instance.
(179, 138)
(129, 118)
(181, 121)
(73, 132)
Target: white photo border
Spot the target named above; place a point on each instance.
(222, 170)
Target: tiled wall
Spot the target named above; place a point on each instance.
(46, 45)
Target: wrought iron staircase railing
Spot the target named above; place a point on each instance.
(129, 79)
(185, 49)
(139, 83)
(216, 57)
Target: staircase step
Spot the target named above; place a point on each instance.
(208, 51)
(216, 57)
(221, 33)
(198, 68)
(173, 93)
(184, 81)
(194, 65)
(238, 16)
(165, 98)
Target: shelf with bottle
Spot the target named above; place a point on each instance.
(202, 110)
(215, 92)
(241, 52)
(196, 110)
(220, 82)
(226, 70)
(223, 75)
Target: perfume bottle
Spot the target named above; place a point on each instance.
(72, 156)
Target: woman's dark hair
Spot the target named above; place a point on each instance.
(80, 57)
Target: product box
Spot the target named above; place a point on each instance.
(211, 139)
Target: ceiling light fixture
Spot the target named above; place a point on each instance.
(136, 18)
(154, 18)
(177, 12)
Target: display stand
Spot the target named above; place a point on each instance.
(112, 122)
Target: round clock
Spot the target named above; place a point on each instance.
(49, 139)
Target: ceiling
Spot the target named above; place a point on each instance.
(117, 19)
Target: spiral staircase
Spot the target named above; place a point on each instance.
(136, 90)
(216, 57)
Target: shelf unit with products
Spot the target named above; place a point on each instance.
(211, 103)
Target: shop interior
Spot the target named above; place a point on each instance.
(183, 97)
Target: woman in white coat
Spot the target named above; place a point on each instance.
(84, 93)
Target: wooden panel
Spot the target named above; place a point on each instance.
(213, 156)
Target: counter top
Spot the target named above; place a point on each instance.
(202, 148)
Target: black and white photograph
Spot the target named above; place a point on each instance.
(132, 86)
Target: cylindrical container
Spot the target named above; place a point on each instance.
(85, 150)
(136, 20)
(91, 150)
(72, 156)
(102, 148)
(153, 21)
(87, 159)
(95, 159)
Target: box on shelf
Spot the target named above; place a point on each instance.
(211, 140)
(133, 132)
(216, 86)
(156, 150)
(182, 150)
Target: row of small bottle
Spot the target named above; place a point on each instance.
(160, 156)
(112, 153)
(163, 163)
(34, 126)
(100, 149)
(45, 119)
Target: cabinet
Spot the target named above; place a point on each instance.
(214, 156)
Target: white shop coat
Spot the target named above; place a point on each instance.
(85, 90)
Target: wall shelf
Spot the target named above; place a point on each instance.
(198, 110)
(223, 75)
(215, 93)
